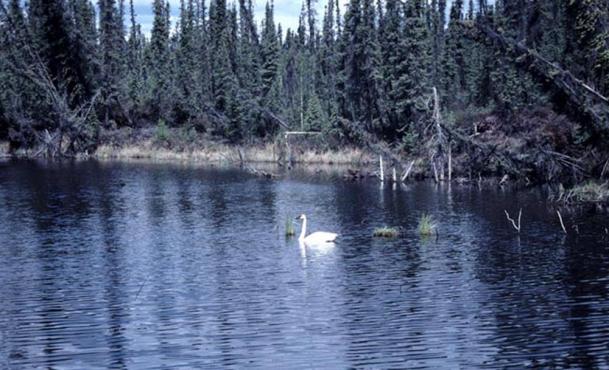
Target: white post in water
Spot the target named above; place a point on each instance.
(382, 171)
(450, 163)
(394, 177)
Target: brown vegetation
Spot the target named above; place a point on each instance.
(177, 144)
(533, 145)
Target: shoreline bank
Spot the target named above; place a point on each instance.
(222, 153)
(215, 153)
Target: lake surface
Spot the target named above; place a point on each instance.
(164, 266)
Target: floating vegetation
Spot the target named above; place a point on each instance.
(427, 225)
(289, 227)
(386, 232)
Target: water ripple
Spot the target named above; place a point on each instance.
(163, 267)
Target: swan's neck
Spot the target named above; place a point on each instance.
(303, 231)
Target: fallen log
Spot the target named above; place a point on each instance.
(584, 98)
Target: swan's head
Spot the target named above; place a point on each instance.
(301, 217)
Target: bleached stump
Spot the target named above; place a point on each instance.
(382, 170)
(407, 173)
(450, 163)
(562, 224)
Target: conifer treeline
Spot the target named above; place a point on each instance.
(221, 71)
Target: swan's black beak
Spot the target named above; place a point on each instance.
(297, 218)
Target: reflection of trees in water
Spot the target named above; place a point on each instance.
(409, 298)
(61, 201)
(218, 206)
(540, 302)
(368, 275)
(586, 287)
(185, 203)
(111, 208)
(155, 192)
(477, 294)
(268, 196)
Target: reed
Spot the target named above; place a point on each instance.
(289, 227)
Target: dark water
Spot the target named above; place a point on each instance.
(167, 266)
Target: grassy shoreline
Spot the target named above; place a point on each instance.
(222, 153)
(215, 153)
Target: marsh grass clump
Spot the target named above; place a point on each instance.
(427, 225)
(386, 232)
(588, 192)
(289, 227)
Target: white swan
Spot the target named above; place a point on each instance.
(316, 238)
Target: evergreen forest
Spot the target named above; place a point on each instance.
(490, 79)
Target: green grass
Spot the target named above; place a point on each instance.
(386, 232)
(289, 227)
(427, 225)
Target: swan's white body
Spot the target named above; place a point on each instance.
(316, 238)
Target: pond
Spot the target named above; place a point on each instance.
(144, 265)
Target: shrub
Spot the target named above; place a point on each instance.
(386, 232)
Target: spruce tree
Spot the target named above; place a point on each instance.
(55, 41)
(158, 59)
(112, 48)
(359, 62)
(392, 55)
(328, 62)
(270, 51)
(453, 59)
(588, 41)
(412, 85)
(185, 63)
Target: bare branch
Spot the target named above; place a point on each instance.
(562, 224)
(516, 226)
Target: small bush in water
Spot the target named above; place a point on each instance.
(386, 232)
(427, 225)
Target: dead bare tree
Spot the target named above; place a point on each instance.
(70, 121)
(583, 97)
(438, 143)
